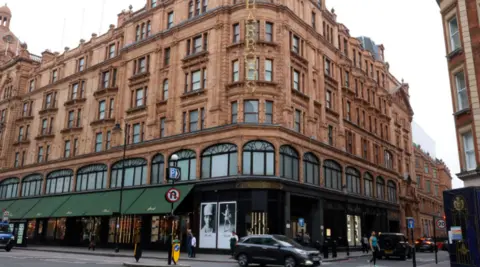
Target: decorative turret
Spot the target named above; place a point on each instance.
(5, 16)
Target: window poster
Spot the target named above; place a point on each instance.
(227, 223)
(208, 231)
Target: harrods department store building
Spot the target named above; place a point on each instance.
(324, 135)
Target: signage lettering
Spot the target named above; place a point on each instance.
(250, 40)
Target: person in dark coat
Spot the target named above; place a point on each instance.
(189, 243)
(233, 242)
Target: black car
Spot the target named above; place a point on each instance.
(394, 245)
(274, 250)
(425, 244)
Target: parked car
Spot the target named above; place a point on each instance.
(425, 244)
(7, 240)
(274, 250)
(394, 245)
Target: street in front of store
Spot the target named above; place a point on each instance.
(30, 258)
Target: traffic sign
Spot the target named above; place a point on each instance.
(173, 173)
(172, 195)
(410, 223)
(301, 222)
(440, 224)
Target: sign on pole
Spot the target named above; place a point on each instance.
(410, 223)
(173, 173)
(301, 222)
(440, 223)
(172, 195)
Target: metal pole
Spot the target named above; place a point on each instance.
(117, 249)
(414, 261)
(173, 219)
(435, 238)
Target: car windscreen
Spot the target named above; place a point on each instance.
(287, 242)
(4, 229)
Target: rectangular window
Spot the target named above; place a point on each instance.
(54, 75)
(328, 99)
(327, 67)
(74, 94)
(418, 181)
(296, 80)
(25, 110)
(298, 117)
(79, 118)
(376, 154)
(349, 141)
(111, 51)
(462, 97)
(235, 71)
(268, 31)
(105, 79)
(44, 126)
(98, 142)
(436, 189)
(31, 87)
(108, 143)
(197, 44)
(71, 118)
(250, 110)
(365, 149)
(196, 80)
(202, 119)
(81, 64)
(313, 20)
(166, 57)
(268, 70)
(154, 3)
(75, 147)
(17, 159)
(469, 151)
(66, 150)
(139, 97)
(204, 82)
(454, 34)
(142, 65)
(162, 127)
(101, 110)
(193, 120)
(20, 134)
(425, 167)
(252, 73)
(330, 135)
(349, 115)
(111, 108)
(427, 186)
(184, 122)
(234, 111)
(137, 133)
(269, 112)
(170, 20)
(48, 101)
(295, 44)
(236, 33)
(40, 155)
(347, 79)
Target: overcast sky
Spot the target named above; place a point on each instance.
(416, 52)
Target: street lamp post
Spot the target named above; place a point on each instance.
(174, 159)
(345, 191)
(118, 128)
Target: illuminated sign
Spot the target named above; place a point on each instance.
(250, 40)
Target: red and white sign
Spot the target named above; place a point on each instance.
(440, 224)
(172, 195)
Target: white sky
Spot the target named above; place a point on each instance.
(410, 30)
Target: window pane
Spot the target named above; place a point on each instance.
(196, 77)
(247, 156)
(258, 163)
(270, 164)
(206, 167)
(220, 165)
(233, 164)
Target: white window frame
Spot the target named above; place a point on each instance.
(454, 35)
(461, 91)
(469, 151)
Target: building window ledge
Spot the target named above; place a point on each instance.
(461, 112)
(454, 53)
(332, 112)
(73, 102)
(48, 110)
(105, 91)
(44, 137)
(136, 109)
(22, 142)
(300, 94)
(71, 130)
(25, 118)
(299, 58)
(193, 93)
(196, 55)
(103, 122)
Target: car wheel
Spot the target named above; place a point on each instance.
(8, 248)
(290, 262)
(242, 260)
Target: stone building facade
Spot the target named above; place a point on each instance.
(432, 178)
(460, 20)
(317, 131)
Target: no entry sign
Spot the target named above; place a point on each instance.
(172, 195)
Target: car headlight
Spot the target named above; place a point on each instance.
(300, 251)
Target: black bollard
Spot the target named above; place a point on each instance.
(169, 249)
(334, 249)
(325, 249)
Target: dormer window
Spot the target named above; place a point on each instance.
(54, 75)
(81, 64)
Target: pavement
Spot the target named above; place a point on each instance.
(162, 255)
(32, 258)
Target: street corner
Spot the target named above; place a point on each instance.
(140, 264)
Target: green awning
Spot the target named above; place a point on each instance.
(5, 204)
(78, 205)
(20, 207)
(153, 201)
(107, 203)
(45, 207)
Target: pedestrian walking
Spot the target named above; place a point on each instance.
(233, 242)
(194, 245)
(375, 248)
(92, 243)
(189, 242)
(365, 244)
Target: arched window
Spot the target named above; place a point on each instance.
(9, 188)
(392, 192)
(380, 188)
(137, 33)
(258, 158)
(311, 169)
(59, 182)
(149, 28)
(288, 162)
(388, 159)
(353, 180)
(190, 9)
(135, 173)
(165, 89)
(333, 174)
(92, 177)
(187, 162)
(158, 169)
(219, 161)
(32, 185)
(368, 184)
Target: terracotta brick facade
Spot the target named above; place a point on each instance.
(324, 94)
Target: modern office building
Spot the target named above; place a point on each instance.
(460, 20)
(277, 116)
